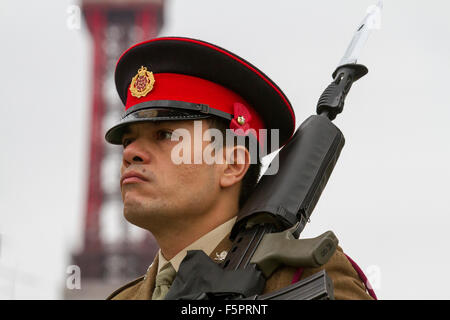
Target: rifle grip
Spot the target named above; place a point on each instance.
(282, 248)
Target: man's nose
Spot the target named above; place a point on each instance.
(135, 153)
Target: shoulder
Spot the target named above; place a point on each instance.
(346, 280)
(128, 291)
(140, 288)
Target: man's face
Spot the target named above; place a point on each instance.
(154, 189)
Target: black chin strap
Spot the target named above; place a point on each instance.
(201, 109)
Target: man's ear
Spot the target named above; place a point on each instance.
(237, 162)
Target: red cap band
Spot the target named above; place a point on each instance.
(179, 87)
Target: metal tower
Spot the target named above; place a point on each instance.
(113, 250)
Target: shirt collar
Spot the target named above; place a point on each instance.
(207, 243)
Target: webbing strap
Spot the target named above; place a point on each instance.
(363, 278)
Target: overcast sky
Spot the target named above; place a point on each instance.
(387, 200)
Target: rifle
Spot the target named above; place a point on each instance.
(268, 226)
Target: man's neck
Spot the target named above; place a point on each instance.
(171, 243)
(207, 243)
(174, 236)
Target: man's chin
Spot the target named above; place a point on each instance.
(141, 216)
(139, 219)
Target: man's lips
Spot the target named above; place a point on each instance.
(132, 177)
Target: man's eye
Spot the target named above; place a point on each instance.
(163, 135)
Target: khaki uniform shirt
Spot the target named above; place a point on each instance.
(346, 281)
(207, 243)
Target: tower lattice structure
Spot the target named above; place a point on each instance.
(112, 248)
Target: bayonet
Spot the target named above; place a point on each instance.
(332, 100)
(370, 22)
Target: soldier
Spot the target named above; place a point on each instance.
(170, 86)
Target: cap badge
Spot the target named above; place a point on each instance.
(142, 83)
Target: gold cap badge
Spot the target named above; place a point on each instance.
(142, 83)
(241, 120)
